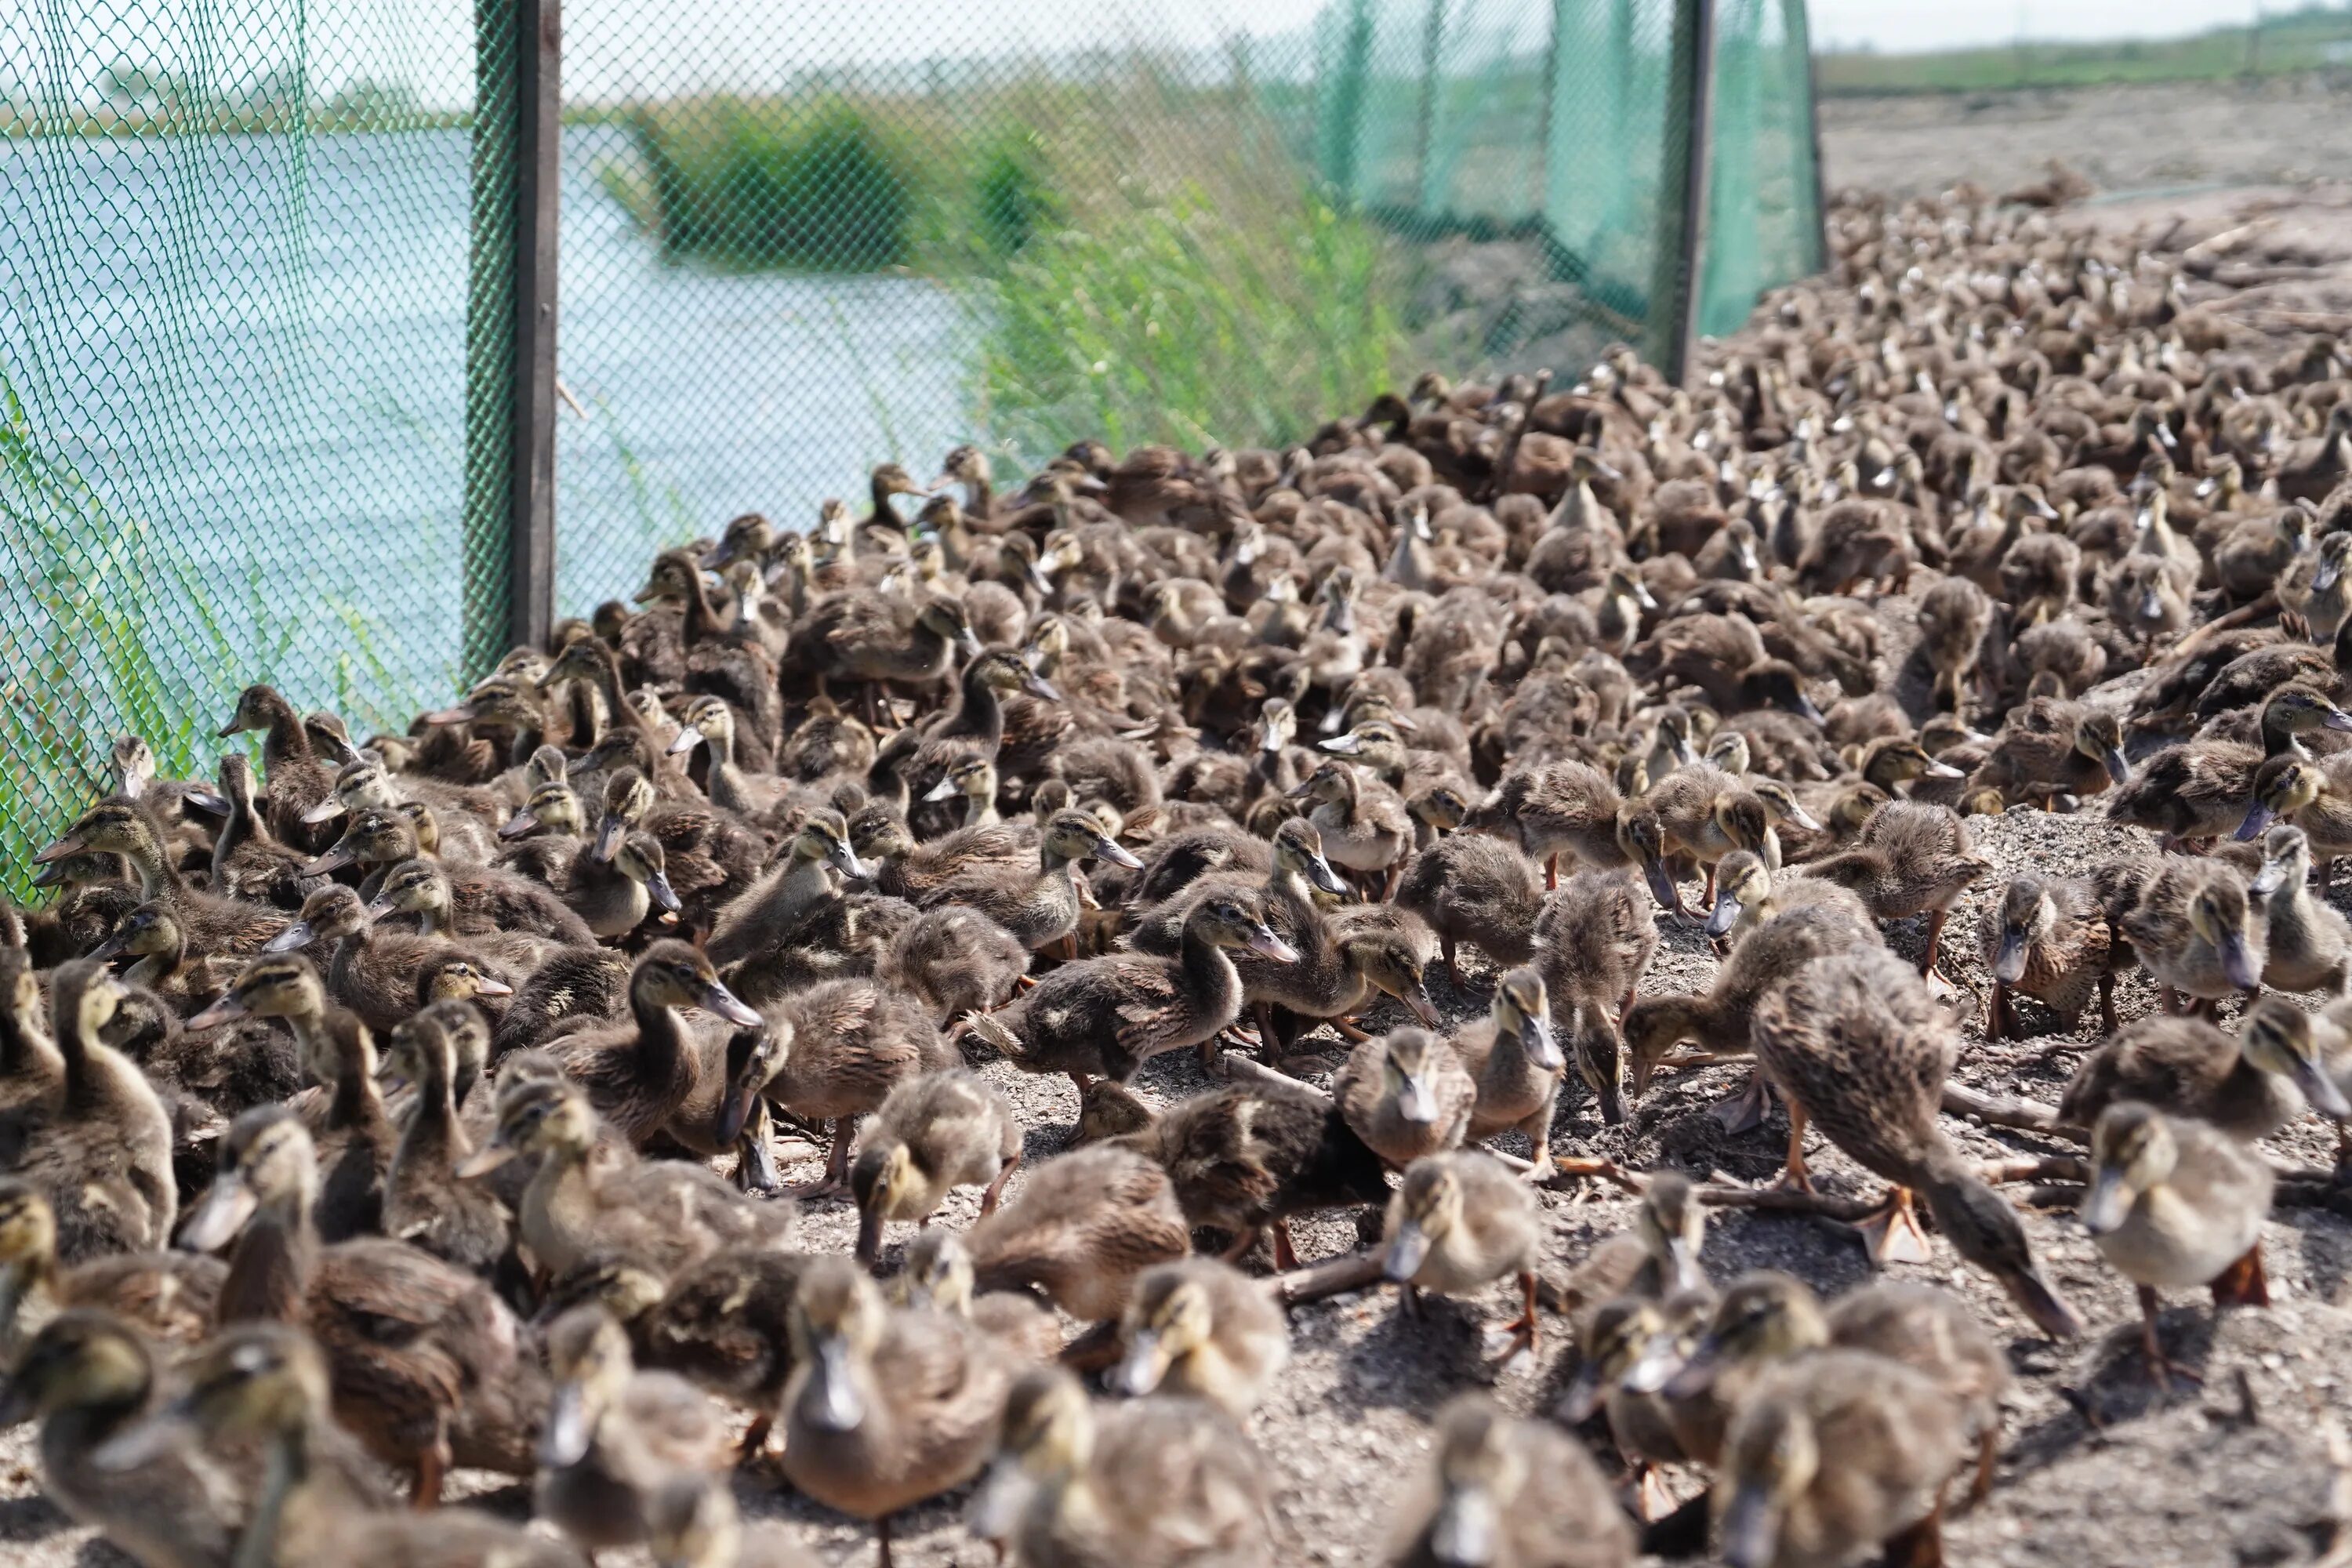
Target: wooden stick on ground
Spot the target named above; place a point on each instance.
(1332, 1276)
(1787, 1200)
(2003, 1111)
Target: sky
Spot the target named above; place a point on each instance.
(1903, 25)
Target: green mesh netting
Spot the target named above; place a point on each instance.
(256, 286)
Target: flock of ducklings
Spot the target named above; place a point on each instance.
(362, 1119)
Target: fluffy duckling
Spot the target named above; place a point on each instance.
(1954, 616)
(1460, 1222)
(956, 960)
(424, 1204)
(1080, 1229)
(932, 1135)
(2049, 938)
(1364, 822)
(1707, 814)
(100, 1143)
(1570, 807)
(1515, 1065)
(1858, 1046)
(691, 1522)
(885, 1408)
(834, 1053)
(1498, 1490)
(2314, 796)
(167, 1297)
(2247, 1087)
(2310, 943)
(1617, 1342)
(2198, 788)
(2196, 931)
(1593, 942)
(1204, 1329)
(1831, 1459)
(1158, 1004)
(938, 1275)
(615, 1434)
(1473, 888)
(2051, 747)
(1911, 859)
(2175, 1202)
(1406, 1094)
(1148, 1483)
(638, 1073)
(1656, 1256)
(214, 924)
(1042, 909)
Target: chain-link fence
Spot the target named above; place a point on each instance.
(258, 304)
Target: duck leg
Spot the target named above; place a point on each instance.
(755, 1165)
(1935, 939)
(1242, 1241)
(1651, 1498)
(2244, 1283)
(755, 1438)
(1520, 1334)
(1919, 1546)
(2161, 1368)
(882, 1538)
(431, 1468)
(1348, 1030)
(1446, 951)
(1745, 1111)
(836, 1162)
(1997, 1013)
(995, 1189)
(1794, 1175)
(1893, 1234)
(1286, 1256)
(1551, 873)
(2108, 1001)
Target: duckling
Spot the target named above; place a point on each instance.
(1618, 1342)
(1201, 1328)
(545, 834)
(98, 1144)
(904, 868)
(267, 1383)
(938, 1275)
(1150, 1483)
(639, 1072)
(2052, 747)
(2314, 796)
(1571, 807)
(1246, 1157)
(1406, 1095)
(424, 1355)
(931, 1136)
(1911, 859)
(2310, 942)
(871, 1444)
(1655, 1257)
(586, 1200)
(2248, 1087)
(1856, 1044)
(213, 924)
(956, 959)
(1460, 1222)
(2049, 938)
(157, 944)
(874, 640)
(1498, 1490)
(710, 721)
(371, 971)
(1831, 1458)
(1295, 874)
(2314, 592)
(2195, 789)
(1476, 887)
(1364, 825)
(614, 896)
(1081, 1228)
(299, 779)
(2173, 1202)
(460, 1222)
(247, 859)
(167, 1297)
(1748, 893)
(615, 1434)
(1040, 908)
(1516, 1066)
(2196, 930)
(772, 910)
(834, 1052)
(1719, 1021)
(1954, 617)
(1160, 1004)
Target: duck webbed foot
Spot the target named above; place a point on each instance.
(1893, 1234)
(1745, 1111)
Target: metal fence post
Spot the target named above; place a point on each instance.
(1433, 40)
(1675, 290)
(1343, 110)
(1796, 27)
(510, 529)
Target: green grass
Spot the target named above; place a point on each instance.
(2304, 40)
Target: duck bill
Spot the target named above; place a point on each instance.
(299, 934)
(1465, 1527)
(565, 1440)
(2338, 719)
(1804, 708)
(490, 985)
(147, 1442)
(609, 834)
(688, 738)
(945, 789)
(1936, 769)
(1661, 887)
(1263, 940)
(1269, 740)
(1116, 854)
(997, 1506)
(832, 1403)
(2324, 575)
(1140, 1369)
(1416, 1101)
(2119, 767)
(519, 824)
(2257, 822)
(1654, 1368)
(2151, 607)
(869, 1233)
(1416, 1002)
(1043, 689)
(1323, 879)
(2321, 1090)
(846, 861)
(735, 1111)
(1799, 817)
(969, 644)
(1682, 1263)
(2238, 965)
(326, 810)
(2009, 962)
(1750, 1531)
(2039, 1301)
(1408, 1249)
(72, 844)
(112, 947)
(1612, 1103)
(1039, 581)
(1583, 1397)
(224, 1009)
(333, 861)
(228, 1205)
(210, 801)
(2106, 1203)
(658, 886)
(2269, 879)
(488, 1159)
(1726, 915)
(1542, 1046)
(1695, 1377)
(1344, 745)
(464, 713)
(716, 998)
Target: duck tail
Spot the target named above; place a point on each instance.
(991, 1029)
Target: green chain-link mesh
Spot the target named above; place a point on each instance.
(254, 288)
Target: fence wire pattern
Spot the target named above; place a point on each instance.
(256, 257)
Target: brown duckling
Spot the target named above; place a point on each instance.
(932, 1135)
(299, 778)
(439, 1390)
(480, 904)
(166, 1295)
(1081, 1228)
(2310, 943)
(461, 1221)
(639, 1072)
(1499, 1489)
(2247, 1087)
(249, 861)
(211, 924)
(1570, 807)
(2314, 796)
(1473, 888)
(2049, 938)
(691, 1522)
(1406, 1094)
(2198, 788)
(1363, 822)
(1204, 1329)
(615, 1434)
(1911, 859)
(2196, 930)
(1160, 1004)
(1460, 1222)
(1148, 1483)
(2051, 747)
(1516, 1064)
(938, 1274)
(614, 896)
(885, 1408)
(956, 960)
(372, 970)
(1593, 942)
(157, 945)
(2173, 1202)
(1040, 908)
(1858, 1046)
